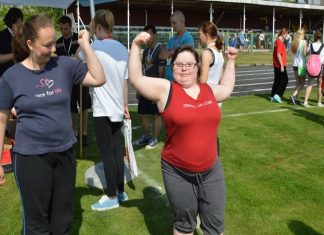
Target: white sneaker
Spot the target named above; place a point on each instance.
(320, 105)
(306, 105)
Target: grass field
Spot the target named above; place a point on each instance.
(272, 157)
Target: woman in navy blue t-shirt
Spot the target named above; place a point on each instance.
(39, 87)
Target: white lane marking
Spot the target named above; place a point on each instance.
(265, 111)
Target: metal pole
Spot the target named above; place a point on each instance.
(211, 11)
(171, 14)
(273, 26)
(244, 18)
(92, 8)
(128, 14)
(300, 18)
(145, 17)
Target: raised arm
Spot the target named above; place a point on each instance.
(226, 85)
(4, 115)
(95, 76)
(155, 89)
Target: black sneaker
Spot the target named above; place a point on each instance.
(293, 99)
(85, 141)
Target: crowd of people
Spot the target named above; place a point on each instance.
(46, 80)
(303, 68)
(175, 86)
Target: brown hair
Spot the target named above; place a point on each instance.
(106, 19)
(210, 28)
(282, 31)
(189, 49)
(29, 31)
(317, 36)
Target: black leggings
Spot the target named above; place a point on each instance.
(280, 82)
(46, 185)
(108, 135)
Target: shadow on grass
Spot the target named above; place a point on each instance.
(310, 116)
(78, 194)
(299, 228)
(155, 209)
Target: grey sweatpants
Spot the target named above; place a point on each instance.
(191, 194)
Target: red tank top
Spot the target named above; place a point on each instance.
(191, 127)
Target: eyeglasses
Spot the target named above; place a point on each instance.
(181, 65)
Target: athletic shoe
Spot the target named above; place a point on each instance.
(277, 98)
(293, 99)
(105, 203)
(122, 196)
(320, 105)
(142, 141)
(306, 105)
(152, 143)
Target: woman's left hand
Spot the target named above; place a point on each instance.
(231, 53)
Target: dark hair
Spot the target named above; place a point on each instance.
(150, 27)
(317, 35)
(12, 16)
(282, 31)
(29, 31)
(106, 19)
(183, 49)
(210, 28)
(65, 20)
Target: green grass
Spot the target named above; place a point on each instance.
(272, 157)
(257, 58)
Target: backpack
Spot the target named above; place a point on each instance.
(314, 65)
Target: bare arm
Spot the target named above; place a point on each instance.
(4, 115)
(95, 76)
(153, 89)
(305, 49)
(206, 59)
(4, 58)
(226, 86)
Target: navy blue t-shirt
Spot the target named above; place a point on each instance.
(42, 101)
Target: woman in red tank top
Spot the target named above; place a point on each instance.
(192, 173)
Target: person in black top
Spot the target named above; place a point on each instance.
(12, 19)
(67, 45)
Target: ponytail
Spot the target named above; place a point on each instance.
(19, 46)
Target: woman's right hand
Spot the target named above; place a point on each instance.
(142, 38)
(2, 176)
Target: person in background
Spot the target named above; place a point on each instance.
(191, 169)
(315, 47)
(13, 19)
(43, 159)
(182, 37)
(212, 59)
(279, 57)
(67, 45)
(110, 107)
(152, 67)
(299, 52)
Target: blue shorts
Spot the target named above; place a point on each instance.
(146, 106)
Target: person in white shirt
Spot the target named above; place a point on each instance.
(110, 107)
(299, 52)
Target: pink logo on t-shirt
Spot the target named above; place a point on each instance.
(45, 82)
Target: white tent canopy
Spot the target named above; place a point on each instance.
(52, 3)
(45, 3)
